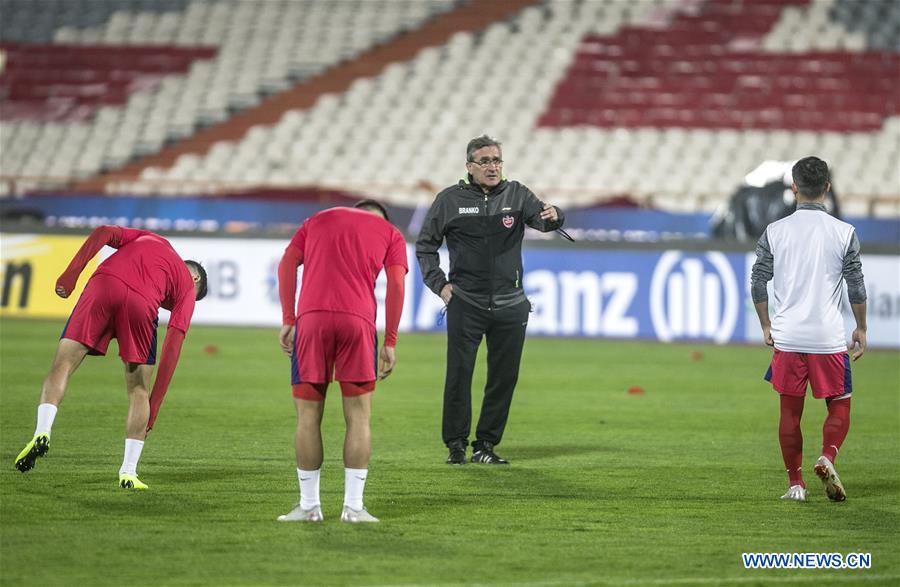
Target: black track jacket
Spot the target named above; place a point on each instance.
(484, 236)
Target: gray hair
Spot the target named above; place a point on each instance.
(480, 143)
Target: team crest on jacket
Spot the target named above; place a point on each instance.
(508, 221)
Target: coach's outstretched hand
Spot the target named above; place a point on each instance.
(386, 362)
(286, 339)
(549, 213)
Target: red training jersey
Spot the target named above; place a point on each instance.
(149, 266)
(343, 251)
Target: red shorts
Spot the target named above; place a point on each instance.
(828, 375)
(333, 346)
(109, 309)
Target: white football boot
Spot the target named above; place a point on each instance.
(352, 516)
(834, 489)
(298, 514)
(795, 493)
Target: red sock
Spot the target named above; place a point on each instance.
(791, 437)
(837, 423)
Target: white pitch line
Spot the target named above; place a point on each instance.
(679, 581)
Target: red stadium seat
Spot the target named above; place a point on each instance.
(72, 80)
(686, 74)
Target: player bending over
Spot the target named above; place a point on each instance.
(121, 300)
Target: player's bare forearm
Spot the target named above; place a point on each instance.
(859, 313)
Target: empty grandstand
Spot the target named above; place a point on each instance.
(666, 104)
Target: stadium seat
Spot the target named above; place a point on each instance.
(174, 64)
(592, 99)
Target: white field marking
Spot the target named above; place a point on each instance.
(751, 578)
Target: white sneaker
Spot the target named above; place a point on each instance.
(795, 493)
(298, 514)
(834, 489)
(352, 516)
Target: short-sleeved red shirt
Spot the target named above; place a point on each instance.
(149, 266)
(344, 249)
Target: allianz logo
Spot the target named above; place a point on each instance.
(694, 297)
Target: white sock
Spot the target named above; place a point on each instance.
(45, 416)
(354, 485)
(309, 488)
(133, 450)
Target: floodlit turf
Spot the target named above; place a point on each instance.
(605, 487)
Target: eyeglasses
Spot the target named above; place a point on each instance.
(496, 162)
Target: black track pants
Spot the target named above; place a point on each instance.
(504, 330)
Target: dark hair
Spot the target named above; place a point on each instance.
(373, 205)
(480, 143)
(810, 175)
(203, 285)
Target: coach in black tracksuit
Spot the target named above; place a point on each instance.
(483, 219)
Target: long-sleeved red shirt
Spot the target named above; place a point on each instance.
(342, 251)
(149, 266)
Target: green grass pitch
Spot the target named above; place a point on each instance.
(605, 487)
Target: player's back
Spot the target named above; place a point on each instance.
(343, 252)
(808, 248)
(148, 265)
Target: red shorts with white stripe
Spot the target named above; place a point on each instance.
(333, 346)
(109, 309)
(827, 375)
